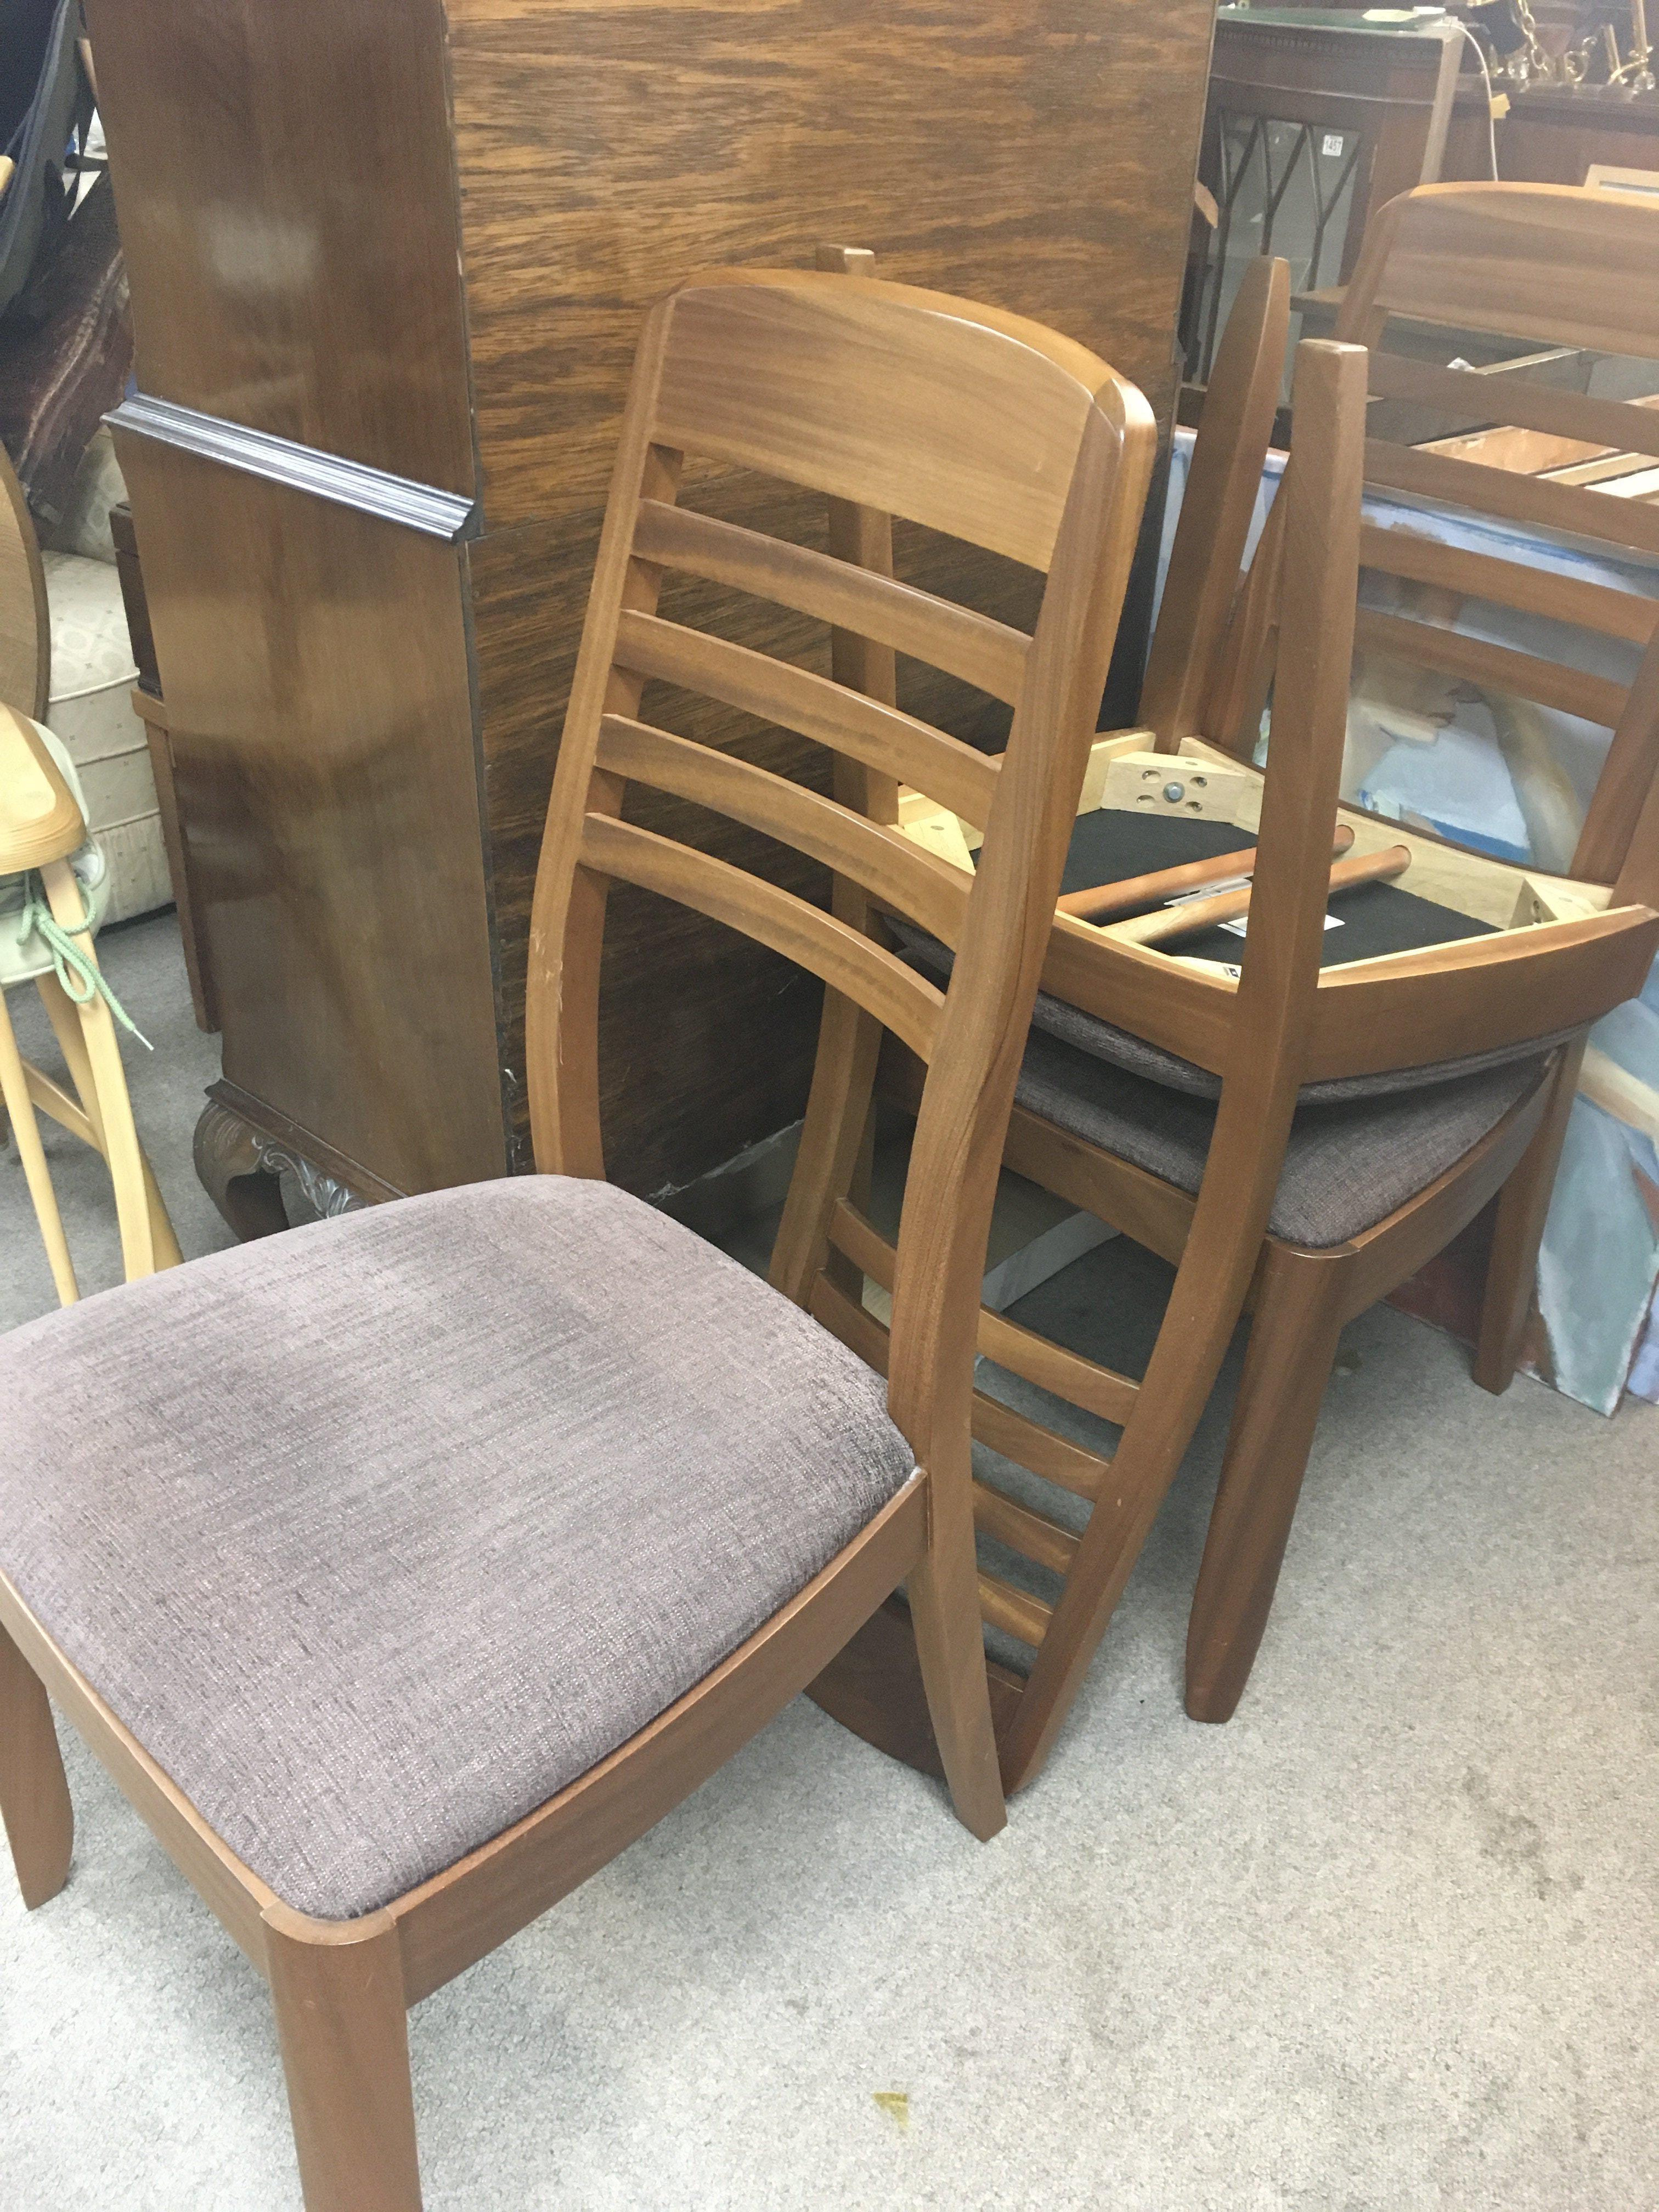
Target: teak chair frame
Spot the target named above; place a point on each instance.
(1563, 953)
(1042, 454)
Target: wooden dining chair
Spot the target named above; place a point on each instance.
(404, 1568)
(1288, 1122)
(43, 830)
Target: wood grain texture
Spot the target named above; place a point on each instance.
(958, 149)
(321, 724)
(1038, 157)
(287, 201)
(1473, 255)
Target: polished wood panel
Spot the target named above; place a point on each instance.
(320, 719)
(287, 202)
(1040, 161)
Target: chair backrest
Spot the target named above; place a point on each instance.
(969, 422)
(1551, 268)
(25, 623)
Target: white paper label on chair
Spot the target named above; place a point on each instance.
(1242, 926)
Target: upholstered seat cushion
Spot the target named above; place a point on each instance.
(1351, 1162)
(378, 1532)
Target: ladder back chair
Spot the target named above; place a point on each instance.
(1311, 1155)
(43, 832)
(398, 1622)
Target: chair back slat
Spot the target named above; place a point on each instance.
(814, 707)
(986, 653)
(897, 872)
(849, 962)
(970, 431)
(1418, 560)
(1497, 667)
(1479, 397)
(1535, 500)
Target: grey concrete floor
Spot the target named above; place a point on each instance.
(1386, 1942)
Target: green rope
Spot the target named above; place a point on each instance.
(82, 978)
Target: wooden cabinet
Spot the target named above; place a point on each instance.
(1315, 117)
(388, 264)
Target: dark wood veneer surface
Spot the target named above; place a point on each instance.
(314, 661)
(284, 184)
(386, 230)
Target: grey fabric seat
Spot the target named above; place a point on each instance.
(1351, 1161)
(377, 1533)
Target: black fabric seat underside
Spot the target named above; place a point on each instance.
(1114, 842)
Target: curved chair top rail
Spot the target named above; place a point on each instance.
(971, 423)
(40, 820)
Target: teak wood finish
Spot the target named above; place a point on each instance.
(418, 239)
(1562, 952)
(888, 401)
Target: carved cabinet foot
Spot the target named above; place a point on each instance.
(240, 1169)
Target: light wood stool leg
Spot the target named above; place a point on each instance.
(344, 2026)
(65, 1018)
(14, 1086)
(35, 1799)
(109, 1082)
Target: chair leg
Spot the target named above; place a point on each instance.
(35, 1799)
(13, 1086)
(1293, 1341)
(344, 2026)
(943, 1595)
(66, 1019)
(831, 1143)
(1523, 1206)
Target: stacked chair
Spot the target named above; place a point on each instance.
(455, 1541)
(1300, 1119)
